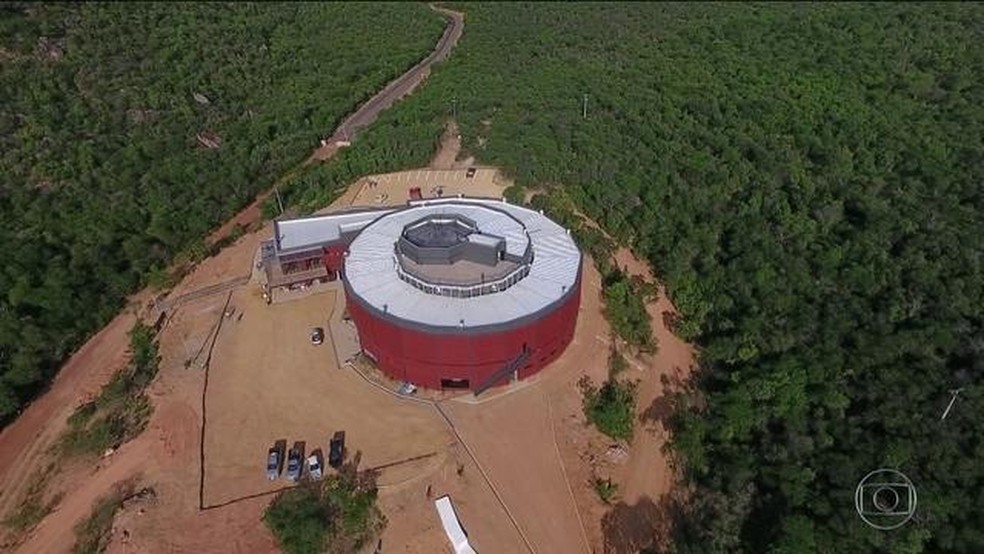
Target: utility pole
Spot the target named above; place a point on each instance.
(953, 398)
(280, 203)
(584, 109)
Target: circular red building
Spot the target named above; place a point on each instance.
(463, 293)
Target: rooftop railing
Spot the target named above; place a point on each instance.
(464, 291)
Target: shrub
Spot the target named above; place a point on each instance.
(626, 311)
(515, 194)
(616, 362)
(339, 514)
(122, 409)
(606, 489)
(610, 408)
(32, 508)
(92, 534)
(299, 519)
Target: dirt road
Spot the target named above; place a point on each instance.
(513, 439)
(23, 442)
(362, 117)
(402, 86)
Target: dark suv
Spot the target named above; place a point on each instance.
(336, 450)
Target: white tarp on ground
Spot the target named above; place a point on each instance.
(452, 527)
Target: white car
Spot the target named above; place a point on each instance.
(314, 467)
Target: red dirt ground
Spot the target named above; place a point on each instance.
(532, 442)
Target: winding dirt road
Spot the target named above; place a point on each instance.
(364, 116)
(402, 86)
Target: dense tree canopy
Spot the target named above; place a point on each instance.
(807, 179)
(127, 134)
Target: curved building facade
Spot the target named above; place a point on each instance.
(463, 293)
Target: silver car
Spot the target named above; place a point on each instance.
(314, 467)
(273, 464)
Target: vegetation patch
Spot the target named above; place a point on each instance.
(34, 506)
(616, 362)
(626, 311)
(92, 534)
(338, 514)
(625, 297)
(610, 408)
(515, 194)
(122, 409)
(606, 490)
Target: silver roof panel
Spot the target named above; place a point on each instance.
(370, 267)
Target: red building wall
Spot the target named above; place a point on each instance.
(424, 358)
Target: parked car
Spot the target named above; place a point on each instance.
(314, 466)
(294, 464)
(407, 388)
(336, 450)
(273, 464)
(317, 335)
(470, 173)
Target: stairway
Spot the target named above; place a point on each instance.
(505, 372)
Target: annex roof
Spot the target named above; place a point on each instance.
(298, 235)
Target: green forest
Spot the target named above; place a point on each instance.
(807, 181)
(127, 134)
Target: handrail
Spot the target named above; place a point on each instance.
(499, 375)
(464, 291)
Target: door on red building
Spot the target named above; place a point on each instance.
(455, 384)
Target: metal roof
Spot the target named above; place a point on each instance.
(297, 235)
(483, 239)
(371, 268)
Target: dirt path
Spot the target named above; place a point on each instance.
(512, 438)
(449, 150)
(361, 118)
(23, 443)
(447, 154)
(129, 460)
(398, 88)
(666, 371)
